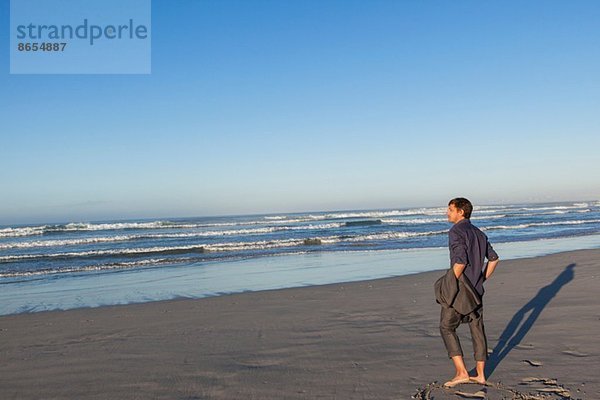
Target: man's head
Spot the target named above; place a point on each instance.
(458, 209)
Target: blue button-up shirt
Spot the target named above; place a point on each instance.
(469, 246)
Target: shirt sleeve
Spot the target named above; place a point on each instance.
(458, 248)
(491, 254)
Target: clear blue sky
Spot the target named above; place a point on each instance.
(274, 106)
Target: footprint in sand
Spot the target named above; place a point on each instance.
(477, 395)
(550, 387)
(557, 390)
(494, 391)
(533, 363)
(575, 353)
(533, 379)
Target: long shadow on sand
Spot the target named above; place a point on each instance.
(519, 325)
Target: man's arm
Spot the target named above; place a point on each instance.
(492, 257)
(458, 252)
(489, 269)
(458, 269)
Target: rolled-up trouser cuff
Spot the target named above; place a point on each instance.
(450, 320)
(454, 354)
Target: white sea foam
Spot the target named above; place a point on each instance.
(349, 215)
(417, 221)
(382, 213)
(65, 242)
(434, 211)
(81, 226)
(112, 266)
(549, 208)
(490, 207)
(218, 224)
(97, 253)
(226, 246)
(519, 226)
(251, 231)
(485, 217)
(529, 225)
(318, 226)
(414, 221)
(87, 268)
(265, 244)
(122, 238)
(547, 212)
(296, 220)
(87, 227)
(477, 210)
(26, 231)
(392, 235)
(257, 245)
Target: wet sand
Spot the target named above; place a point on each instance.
(374, 339)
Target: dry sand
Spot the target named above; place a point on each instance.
(365, 340)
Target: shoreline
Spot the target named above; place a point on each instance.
(374, 339)
(196, 281)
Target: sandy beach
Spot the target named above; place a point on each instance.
(375, 339)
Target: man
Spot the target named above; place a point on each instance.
(469, 247)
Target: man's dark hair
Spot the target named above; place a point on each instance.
(462, 204)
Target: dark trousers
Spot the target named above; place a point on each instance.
(450, 320)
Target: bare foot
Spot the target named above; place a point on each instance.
(457, 380)
(477, 379)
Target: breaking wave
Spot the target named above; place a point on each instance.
(529, 225)
(124, 238)
(216, 247)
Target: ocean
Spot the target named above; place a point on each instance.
(127, 254)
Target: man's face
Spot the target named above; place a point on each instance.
(454, 214)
